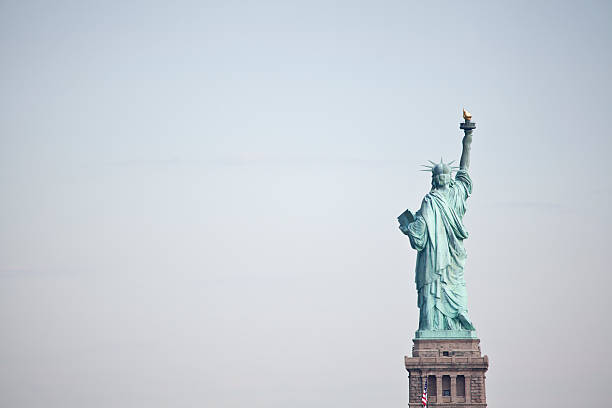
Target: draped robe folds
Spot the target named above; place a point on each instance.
(437, 233)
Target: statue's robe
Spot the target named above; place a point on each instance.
(437, 233)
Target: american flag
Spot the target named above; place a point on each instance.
(424, 397)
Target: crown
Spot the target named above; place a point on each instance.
(440, 168)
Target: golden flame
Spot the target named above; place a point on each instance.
(467, 115)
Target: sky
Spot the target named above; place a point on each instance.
(199, 199)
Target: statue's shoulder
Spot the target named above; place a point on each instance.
(430, 199)
(462, 175)
(463, 179)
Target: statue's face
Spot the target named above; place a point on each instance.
(441, 180)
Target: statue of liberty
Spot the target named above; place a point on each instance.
(437, 232)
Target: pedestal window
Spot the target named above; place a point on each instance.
(460, 386)
(432, 388)
(446, 386)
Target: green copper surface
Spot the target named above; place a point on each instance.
(445, 334)
(437, 232)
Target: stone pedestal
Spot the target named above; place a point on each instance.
(456, 371)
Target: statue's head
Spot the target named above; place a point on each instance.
(440, 173)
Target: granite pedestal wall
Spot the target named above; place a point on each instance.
(455, 369)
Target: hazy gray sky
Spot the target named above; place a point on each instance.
(199, 199)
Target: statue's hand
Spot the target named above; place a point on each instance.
(404, 229)
(467, 139)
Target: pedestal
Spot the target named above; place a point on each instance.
(455, 369)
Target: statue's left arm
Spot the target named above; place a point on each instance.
(417, 232)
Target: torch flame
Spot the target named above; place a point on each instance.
(467, 115)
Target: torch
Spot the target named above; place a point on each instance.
(468, 126)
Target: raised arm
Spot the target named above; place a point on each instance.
(464, 164)
(468, 127)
